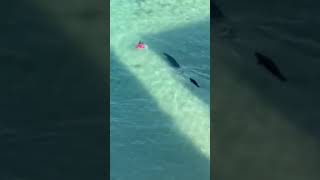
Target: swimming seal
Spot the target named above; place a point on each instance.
(173, 63)
(268, 64)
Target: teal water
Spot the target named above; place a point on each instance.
(160, 122)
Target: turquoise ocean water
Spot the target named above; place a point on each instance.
(160, 122)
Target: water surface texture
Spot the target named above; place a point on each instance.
(160, 122)
(264, 128)
(53, 93)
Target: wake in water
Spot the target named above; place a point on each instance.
(173, 63)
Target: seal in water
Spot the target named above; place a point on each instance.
(173, 63)
(268, 64)
(194, 82)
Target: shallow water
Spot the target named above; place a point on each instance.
(159, 121)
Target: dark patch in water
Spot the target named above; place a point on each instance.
(269, 65)
(172, 62)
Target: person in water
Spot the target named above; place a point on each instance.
(141, 45)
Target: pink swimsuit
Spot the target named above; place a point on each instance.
(140, 46)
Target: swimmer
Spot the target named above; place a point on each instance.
(141, 45)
